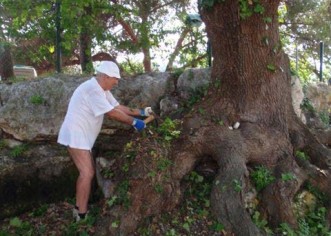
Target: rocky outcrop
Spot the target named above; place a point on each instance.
(297, 97)
(32, 174)
(317, 107)
(320, 96)
(191, 80)
(33, 111)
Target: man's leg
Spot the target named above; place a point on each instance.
(84, 163)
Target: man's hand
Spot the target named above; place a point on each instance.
(139, 125)
(147, 111)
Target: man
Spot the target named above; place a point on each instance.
(82, 124)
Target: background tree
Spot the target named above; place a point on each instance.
(6, 60)
(144, 28)
(304, 24)
(31, 31)
(91, 29)
(85, 39)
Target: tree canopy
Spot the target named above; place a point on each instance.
(304, 24)
(92, 28)
(96, 30)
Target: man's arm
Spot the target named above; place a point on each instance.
(128, 111)
(120, 115)
(147, 111)
(124, 114)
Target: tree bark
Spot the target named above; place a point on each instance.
(85, 52)
(6, 62)
(85, 41)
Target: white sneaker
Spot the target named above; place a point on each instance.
(76, 216)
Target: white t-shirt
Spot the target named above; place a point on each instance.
(85, 113)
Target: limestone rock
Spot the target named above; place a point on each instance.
(44, 173)
(297, 97)
(34, 110)
(320, 96)
(168, 105)
(192, 79)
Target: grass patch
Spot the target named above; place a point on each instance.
(18, 151)
(37, 99)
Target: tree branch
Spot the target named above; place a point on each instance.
(126, 26)
(194, 61)
(164, 5)
(179, 45)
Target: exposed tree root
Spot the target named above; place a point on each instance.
(324, 136)
(235, 152)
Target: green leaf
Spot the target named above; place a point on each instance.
(115, 224)
(267, 19)
(201, 111)
(271, 67)
(199, 179)
(288, 176)
(237, 185)
(84, 233)
(15, 222)
(301, 155)
(207, 3)
(259, 9)
(218, 227)
(51, 49)
(262, 177)
(112, 201)
(151, 174)
(186, 226)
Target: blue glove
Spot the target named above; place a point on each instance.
(138, 124)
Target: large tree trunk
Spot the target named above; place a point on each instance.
(250, 85)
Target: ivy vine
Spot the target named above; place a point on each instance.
(208, 4)
(247, 7)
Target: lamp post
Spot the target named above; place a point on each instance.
(58, 35)
(321, 60)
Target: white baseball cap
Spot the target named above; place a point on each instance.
(109, 68)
